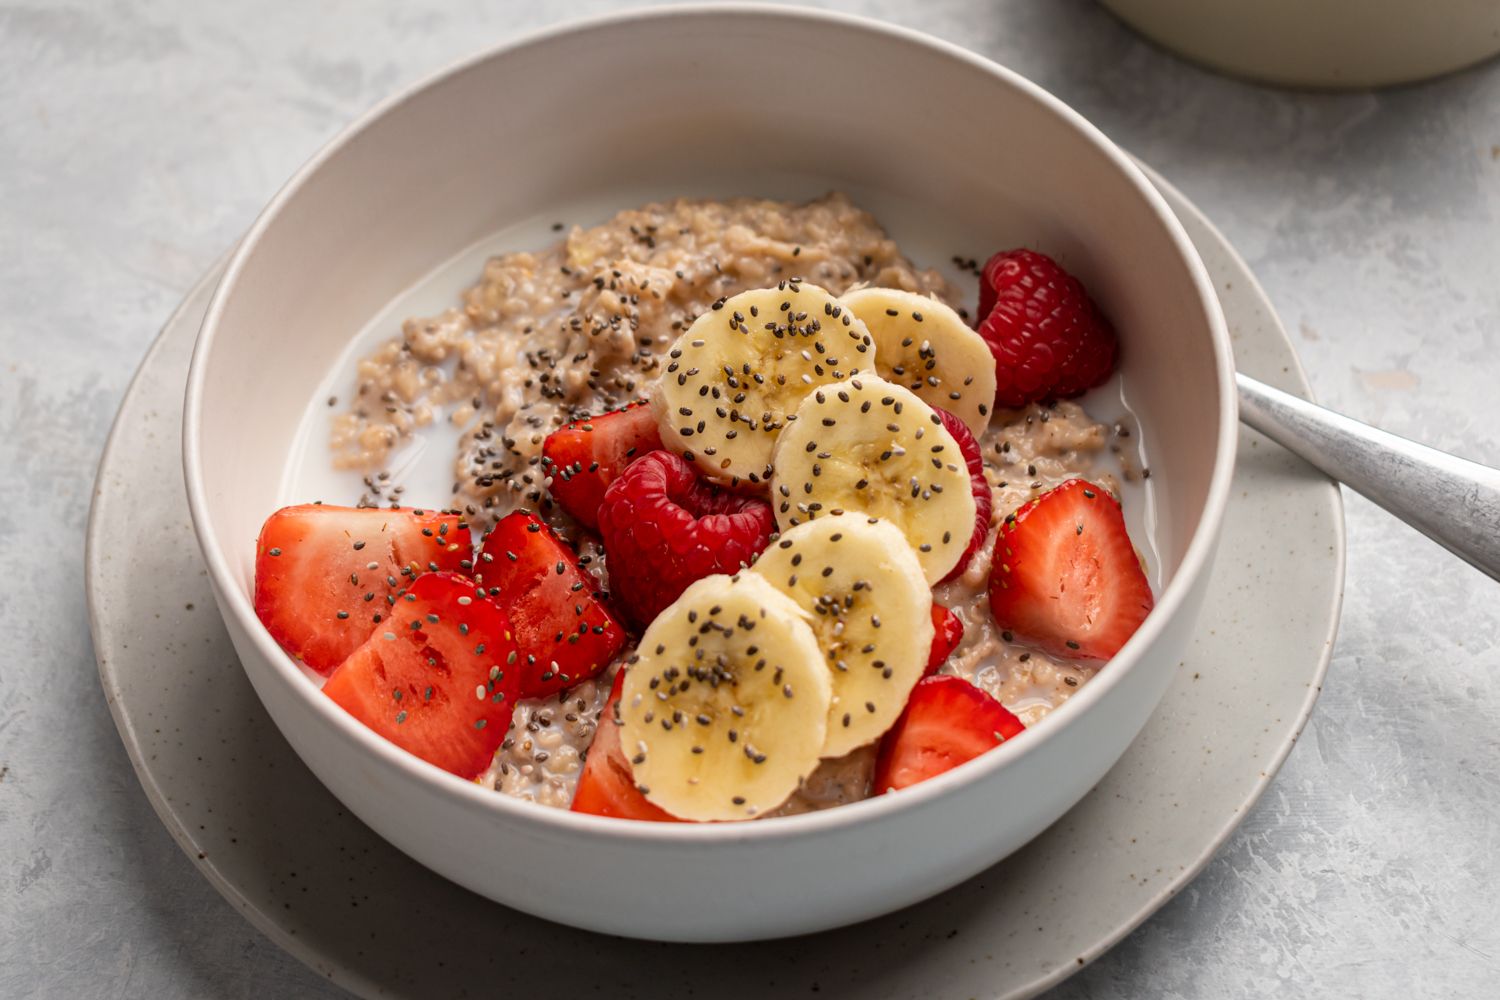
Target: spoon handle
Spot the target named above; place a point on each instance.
(1453, 501)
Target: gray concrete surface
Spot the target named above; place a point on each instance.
(138, 140)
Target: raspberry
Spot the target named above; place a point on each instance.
(969, 448)
(1049, 339)
(664, 527)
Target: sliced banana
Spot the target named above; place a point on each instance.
(923, 344)
(735, 378)
(867, 445)
(871, 611)
(725, 707)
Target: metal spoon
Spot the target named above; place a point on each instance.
(1453, 501)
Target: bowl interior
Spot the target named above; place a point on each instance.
(953, 156)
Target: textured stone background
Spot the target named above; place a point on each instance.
(138, 140)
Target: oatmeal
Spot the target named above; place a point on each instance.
(836, 781)
(582, 328)
(585, 327)
(548, 740)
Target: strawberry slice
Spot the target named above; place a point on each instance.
(436, 677)
(564, 631)
(947, 721)
(968, 446)
(324, 576)
(947, 631)
(587, 455)
(606, 787)
(1065, 576)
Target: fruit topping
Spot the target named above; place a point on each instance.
(1048, 338)
(325, 576)
(947, 722)
(1065, 577)
(922, 344)
(947, 633)
(867, 445)
(437, 676)
(869, 605)
(587, 455)
(563, 629)
(664, 527)
(725, 708)
(736, 375)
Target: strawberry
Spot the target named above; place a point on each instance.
(947, 721)
(563, 629)
(606, 787)
(983, 500)
(1065, 576)
(1049, 339)
(947, 632)
(324, 576)
(587, 455)
(435, 677)
(664, 527)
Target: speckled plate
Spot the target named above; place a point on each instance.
(323, 886)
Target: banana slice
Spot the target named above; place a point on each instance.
(924, 345)
(871, 611)
(867, 445)
(734, 379)
(725, 707)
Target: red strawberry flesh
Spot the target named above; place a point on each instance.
(564, 631)
(947, 633)
(587, 455)
(1065, 576)
(325, 576)
(433, 677)
(947, 722)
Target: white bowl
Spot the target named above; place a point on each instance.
(1322, 43)
(688, 98)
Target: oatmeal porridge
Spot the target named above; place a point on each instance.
(611, 529)
(583, 328)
